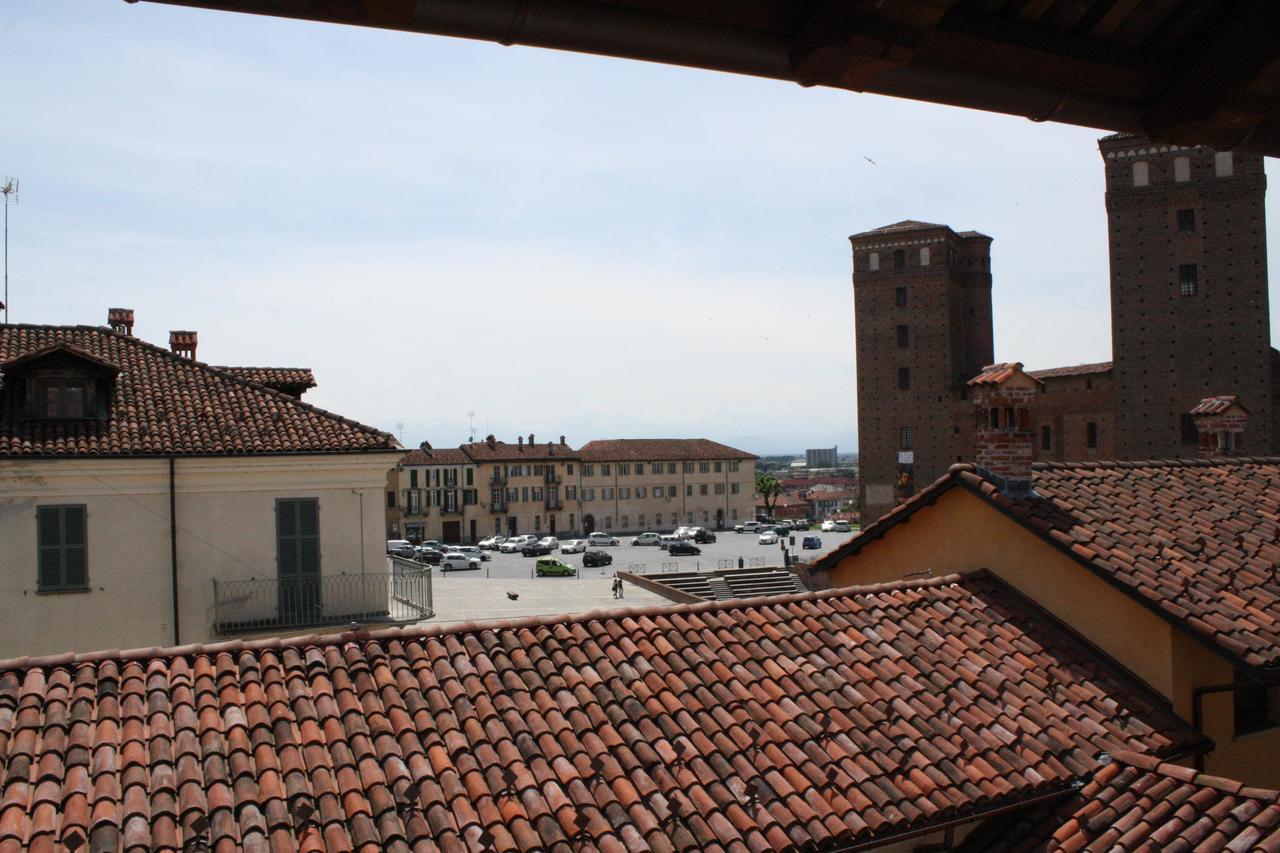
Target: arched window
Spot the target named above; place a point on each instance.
(1141, 173)
(873, 261)
(924, 256)
(1223, 164)
(1181, 169)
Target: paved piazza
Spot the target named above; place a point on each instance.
(649, 559)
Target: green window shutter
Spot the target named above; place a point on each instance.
(309, 537)
(74, 562)
(413, 478)
(49, 523)
(470, 472)
(287, 538)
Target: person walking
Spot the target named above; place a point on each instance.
(614, 586)
(621, 590)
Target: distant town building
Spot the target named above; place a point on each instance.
(821, 458)
(1189, 312)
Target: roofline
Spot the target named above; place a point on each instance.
(67, 457)
(427, 631)
(935, 490)
(291, 400)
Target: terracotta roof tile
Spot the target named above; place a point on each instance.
(279, 378)
(1071, 370)
(806, 720)
(1138, 803)
(500, 451)
(1195, 540)
(165, 404)
(436, 456)
(658, 449)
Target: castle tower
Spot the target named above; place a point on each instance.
(922, 318)
(1189, 316)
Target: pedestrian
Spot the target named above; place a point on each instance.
(614, 587)
(621, 589)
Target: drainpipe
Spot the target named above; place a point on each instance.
(1197, 713)
(173, 549)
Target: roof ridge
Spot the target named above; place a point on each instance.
(1189, 462)
(1190, 776)
(423, 631)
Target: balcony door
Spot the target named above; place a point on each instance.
(298, 559)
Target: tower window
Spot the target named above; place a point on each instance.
(873, 261)
(1181, 169)
(1190, 435)
(1091, 435)
(900, 297)
(1187, 221)
(1187, 279)
(899, 259)
(904, 336)
(1223, 164)
(904, 379)
(1046, 437)
(924, 256)
(904, 438)
(1141, 173)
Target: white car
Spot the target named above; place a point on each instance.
(458, 560)
(646, 539)
(597, 539)
(683, 532)
(573, 546)
(492, 543)
(828, 526)
(515, 543)
(747, 527)
(769, 538)
(843, 527)
(665, 540)
(549, 542)
(472, 551)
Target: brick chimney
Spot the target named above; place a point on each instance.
(562, 440)
(183, 344)
(520, 443)
(1220, 421)
(120, 320)
(1004, 437)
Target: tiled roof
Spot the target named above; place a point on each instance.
(777, 724)
(163, 404)
(784, 501)
(644, 449)
(274, 377)
(1217, 405)
(1071, 370)
(1139, 803)
(436, 456)
(1195, 540)
(500, 451)
(904, 225)
(997, 374)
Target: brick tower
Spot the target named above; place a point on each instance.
(922, 316)
(1189, 315)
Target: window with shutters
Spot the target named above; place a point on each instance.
(63, 561)
(298, 556)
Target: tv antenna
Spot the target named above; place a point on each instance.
(471, 432)
(10, 189)
(400, 430)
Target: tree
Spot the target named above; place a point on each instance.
(768, 488)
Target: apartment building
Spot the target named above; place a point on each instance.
(618, 485)
(629, 485)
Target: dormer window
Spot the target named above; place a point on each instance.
(61, 397)
(60, 383)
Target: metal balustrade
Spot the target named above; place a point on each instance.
(399, 593)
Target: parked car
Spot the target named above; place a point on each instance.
(553, 566)
(597, 539)
(703, 536)
(458, 560)
(682, 532)
(492, 543)
(665, 540)
(433, 544)
(646, 539)
(535, 549)
(430, 556)
(470, 551)
(843, 527)
(769, 537)
(573, 546)
(811, 542)
(683, 548)
(401, 548)
(550, 541)
(516, 543)
(597, 558)
(828, 526)
(746, 527)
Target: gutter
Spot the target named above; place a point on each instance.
(173, 548)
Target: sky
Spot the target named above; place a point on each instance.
(562, 244)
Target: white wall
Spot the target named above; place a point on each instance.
(226, 520)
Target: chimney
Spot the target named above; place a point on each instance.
(531, 439)
(491, 441)
(1004, 437)
(183, 344)
(120, 320)
(520, 443)
(1220, 421)
(562, 440)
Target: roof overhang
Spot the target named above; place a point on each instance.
(1200, 72)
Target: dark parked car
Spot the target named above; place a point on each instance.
(704, 536)
(811, 542)
(596, 558)
(683, 547)
(535, 549)
(430, 556)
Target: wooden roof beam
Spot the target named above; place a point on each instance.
(849, 44)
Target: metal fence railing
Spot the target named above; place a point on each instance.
(399, 593)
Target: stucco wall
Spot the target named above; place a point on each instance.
(226, 520)
(961, 532)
